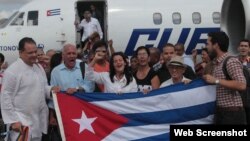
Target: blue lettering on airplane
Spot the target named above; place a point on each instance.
(15, 48)
(153, 33)
(8, 48)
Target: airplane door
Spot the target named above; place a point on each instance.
(54, 22)
(61, 35)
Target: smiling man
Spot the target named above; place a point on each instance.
(24, 93)
(176, 69)
(244, 48)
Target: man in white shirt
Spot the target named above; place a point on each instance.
(24, 90)
(180, 50)
(176, 69)
(89, 26)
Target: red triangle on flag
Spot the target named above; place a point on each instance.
(102, 121)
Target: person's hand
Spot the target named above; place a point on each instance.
(17, 126)
(209, 78)
(76, 23)
(203, 64)
(145, 91)
(99, 56)
(119, 92)
(52, 120)
(71, 91)
(248, 59)
(186, 81)
(4, 66)
(110, 43)
(56, 89)
(194, 53)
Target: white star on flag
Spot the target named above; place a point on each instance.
(85, 123)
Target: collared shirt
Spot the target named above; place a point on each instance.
(24, 90)
(170, 82)
(90, 27)
(118, 86)
(70, 78)
(227, 97)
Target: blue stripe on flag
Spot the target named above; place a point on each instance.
(149, 116)
(111, 96)
(55, 10)
(171, 116)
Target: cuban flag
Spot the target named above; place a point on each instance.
(54, 12)
(134, 116)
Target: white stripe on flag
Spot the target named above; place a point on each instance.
(139, 132)
(169, 101)
(59, 117)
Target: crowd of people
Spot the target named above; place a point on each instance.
(27, 84)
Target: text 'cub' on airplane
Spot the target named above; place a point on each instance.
(130, 23)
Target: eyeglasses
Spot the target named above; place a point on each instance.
(103, 51)
(142, 54)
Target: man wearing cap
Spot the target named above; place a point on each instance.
(176, 69)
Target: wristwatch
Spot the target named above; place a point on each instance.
(217, 81)
(80, 89)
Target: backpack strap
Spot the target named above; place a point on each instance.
(224, 68)
(82, 67)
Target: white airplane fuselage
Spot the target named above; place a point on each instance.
(130, 23)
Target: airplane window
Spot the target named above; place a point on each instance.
(216, 17)
(32, 18)
(18, 21)
(176, 18)
(196, 18)
(157, 17)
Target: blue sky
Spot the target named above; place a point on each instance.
(8, 6)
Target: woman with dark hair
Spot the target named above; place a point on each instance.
(145, 76)
(118, 80)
